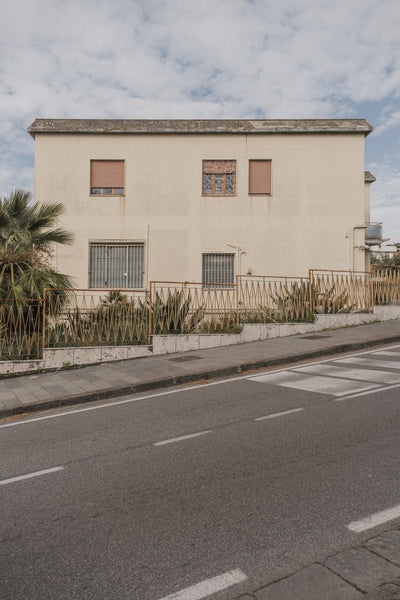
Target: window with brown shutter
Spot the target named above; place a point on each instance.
(219, 177)
(259, 177)
(107, 177)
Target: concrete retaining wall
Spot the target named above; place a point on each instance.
(167, 344)
(57, 358)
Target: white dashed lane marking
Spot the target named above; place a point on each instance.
(209, 586)
(279, 414)
(374, 520)
(181, 438)
(30, 475)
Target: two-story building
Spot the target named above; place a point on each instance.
(202, 201)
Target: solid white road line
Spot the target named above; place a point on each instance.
(209, 586)
(279, 414)
(111, 404)
(375, 519)
(181, 437)
(30, 475)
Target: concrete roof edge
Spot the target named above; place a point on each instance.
(198, 126)
(368, 177)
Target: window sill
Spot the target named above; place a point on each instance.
(107, 289)
(219, 195)
(106, 195)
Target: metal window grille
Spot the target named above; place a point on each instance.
(218, 269)
(116, 266)
(219, 184)
(219, 177)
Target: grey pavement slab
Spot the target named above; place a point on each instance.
(362, 568)
(384, 592)
(387, 545)
(312, 583)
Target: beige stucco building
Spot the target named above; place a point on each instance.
(202, 201)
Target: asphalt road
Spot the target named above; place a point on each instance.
(228, 485)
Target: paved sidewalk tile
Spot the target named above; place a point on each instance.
(385, 592)
(312, 583)
(362, 568)
(387, 545)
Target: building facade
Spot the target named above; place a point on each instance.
(203, 201)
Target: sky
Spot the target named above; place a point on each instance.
(200, 59)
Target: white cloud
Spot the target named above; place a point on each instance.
(385, 199)
(182, 59)
(390, 118)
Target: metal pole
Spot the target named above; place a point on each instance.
(44, 319)
(237, 299)
(150, 311)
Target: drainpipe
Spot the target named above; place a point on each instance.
(147, 257)
(353, 244)
(240, 252)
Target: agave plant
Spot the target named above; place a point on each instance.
(172, 315)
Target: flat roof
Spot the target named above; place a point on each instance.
(251, 126)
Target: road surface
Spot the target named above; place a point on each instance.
(207, 490)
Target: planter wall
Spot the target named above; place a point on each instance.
(57, 358)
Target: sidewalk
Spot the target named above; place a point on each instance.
(370, 570)
(28, 393)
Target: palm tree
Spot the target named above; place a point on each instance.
(27, 238)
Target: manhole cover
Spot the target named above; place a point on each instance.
(315, 337)
(185, 358)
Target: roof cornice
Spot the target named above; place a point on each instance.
(198, 126)
(368, 177)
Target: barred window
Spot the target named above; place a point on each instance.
(219, 177)
(116, 265)
(218, 269)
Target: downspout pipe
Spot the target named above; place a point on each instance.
(353, 244)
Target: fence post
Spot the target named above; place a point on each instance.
(237, 299)
(371, 292)
(311, 300)
(44, 320)
(150, 313)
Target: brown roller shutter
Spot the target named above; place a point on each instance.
(107, 173)
(219, 166)
(259, 177)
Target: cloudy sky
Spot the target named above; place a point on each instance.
(203, 59)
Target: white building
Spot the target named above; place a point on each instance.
(202, 201)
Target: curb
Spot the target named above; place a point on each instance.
(190, 378)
